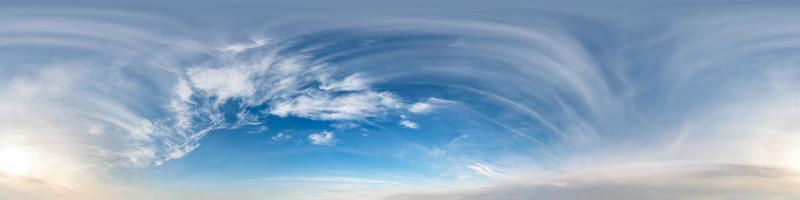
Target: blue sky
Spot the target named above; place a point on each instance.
(399, 100)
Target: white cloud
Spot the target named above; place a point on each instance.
(325, 106)
(409, 124)
(288, 85)
(427, 105)
(419, 107)
(223, 83)
(353, 82)
(240, 47)
(345, 125)
(281, 137)
(183, 90)
(460, 42)
(484, 170)
(323, 138)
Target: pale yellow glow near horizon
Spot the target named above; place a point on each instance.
(16, 161)
(794, 159)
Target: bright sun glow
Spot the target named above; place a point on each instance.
(794, 159)
(15, 161)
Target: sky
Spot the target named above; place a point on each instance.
(399, 100)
